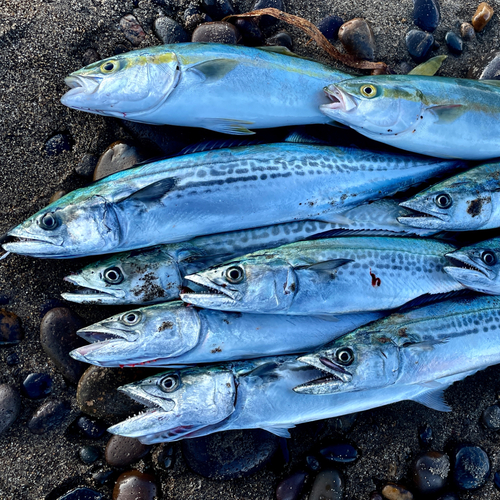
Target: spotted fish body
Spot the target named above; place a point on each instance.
(216, 191)
(329, 276)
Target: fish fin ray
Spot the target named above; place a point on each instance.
(428, 298)
(279, 431)
(433, 398)
(153, 193)
(327, 265)
(447, 113)
(335, 219)
(226, 126)
(219, 144)
(214, 69)
(429, 67)
(279, 49)
(300, 137)
(333, 233)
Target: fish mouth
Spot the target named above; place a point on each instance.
(213, 292)
(418, 218)
(80, 85)
(340, 100)
(91, 294)
(472, 274)
(34, 245)
(106, 331)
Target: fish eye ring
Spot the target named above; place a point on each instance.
(489, 258)
(368, 90)
(169, 383)
(109, 66)
(48, 221)
(132, 318)
(345, 356)
(443, 200)
(113, 275)
(234, 274)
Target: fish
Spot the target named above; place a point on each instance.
(216, 191)
(414, 347)
(436, 116)
(173, 334)
(198, 401)
(230, 89)
(465, 202)
(327, 276)
(156, 274)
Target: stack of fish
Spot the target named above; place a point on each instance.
(285, 248)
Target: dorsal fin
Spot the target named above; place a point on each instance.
(429, 67)
(428, 299)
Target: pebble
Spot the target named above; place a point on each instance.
(10, 405)
(58, 337)
(58, 144)
(250, 32)
(329, 26)
(266, 22)
(134, 485)
(12, 359)
(193, 16)
(216, 32)
(132, 29)
(82, 494)
(48, 416)
(37, 385)
(117, 157)
(482, 16)
(87, 165)
(357, 38)
(282, 39)
(430, 472)
(426, 14)
(419, 45)
(491, 417)
(486, 67)
(169, 31)
(375, 495)
(163, 456)
(328, 485)
(467, 32)
(120, 48)
(231, 454)
(396, 492)
(217, 9)
(89, 454)
(90, 428)
(11, 331)
(426, 435)
(313, 463)
(105, 476)
(50, 304)
(496, 480)
(471, 468)
(454, 42)
(122, 451)
(90, 56)
(57, 196)
(341, 453)
(449, 496)
(291, 487)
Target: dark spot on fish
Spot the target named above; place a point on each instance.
(475, 206)
(375, 281)
(165, 325)
(226, 321)
(384, 340)
(402, 332)
(389, 130)
(149, 290)
(218, 349)
(310, 203)
(292, 287)
(343, 197)
(228, 384)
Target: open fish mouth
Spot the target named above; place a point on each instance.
(418, 218)
(86, 294)
(211, 291)
(81, 85)
(339, 100)
(467, 268)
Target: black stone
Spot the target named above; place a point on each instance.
(169, 31)
(58, 144)
(89, 454)
(267, 21)
(430, 472)
(454, 42)
(426, 14)
(426, 435)
(216, 32)
(496, 480)
(313, 463)
(37, 385)
(291, 487)
(90, 56)
(217, 9)
(122, 451)
(419, 45)
(4, 300)
(449, 496)
(51, 304)
(252, 36)
(120, 48)
(12, 359)
(194, 16)
(105, 476)
(491, 417)
(90, 428)
(10, 404)
(486, 67)
(82, 494)
(329, 26)
(328, 485)
(341, 453)
(87, 165)
(48, 416)
(471, 467)
(282, 39)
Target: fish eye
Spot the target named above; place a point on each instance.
(443, 200)
(48, 221)
(489, 258)
(169, 383)
(109, 66)
(113, 275)
(345, 356)
(368, 90)
(131, 318)
(234, 274)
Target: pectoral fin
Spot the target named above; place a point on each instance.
(226, 126)
(279, 431)
(447, 113)
(327, 265)
(215, 69)
(152, 194)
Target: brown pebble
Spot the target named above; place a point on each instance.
(396, 492)
(217, 32)
(482, 17)
(134, 485)
(132, 29)
(122, 451)
(467, 32)
(57, 195)
(357, 38)
(119, 156)
(10, 328)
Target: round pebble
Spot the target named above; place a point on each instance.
(341, 453)
(330, 25)
(122, 451)
(471, 467)
(90, 56)
(357, 38)
(486, 67)
(10, 405)
(396, 492)
(132, 29)
(266, 22)
(454, 42)
(216, 32)
(375, 495)
(430, 472)
(217, 9)
(491, 417)
(87, 165)
(482, 16)
(291, 487)
(12, 359)
(231, 454)
(37, 385)
(57, 196)
(117, 157)
(58, 337)
(10, 328)
(48, 416)
(467, 32)
(89, 454)
(328, 485)
(313, 463)
(426, 435)
(419, 45)
(105, 476)
(58, 144)
(193, 16)
(282, 39)
(426, 14)
(134, 485)
(250, 32)
(90, 428)
(82, 494)
(169, 31)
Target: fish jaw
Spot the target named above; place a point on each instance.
(341, 103)
(221, 296)
(425, 219)
(34, 244)
(92, 294)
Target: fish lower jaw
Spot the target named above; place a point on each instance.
(322, 385)
(89, 296)
(461, 264)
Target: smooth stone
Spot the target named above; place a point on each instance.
(194, 16)
(97, 396)
(343, 423)
(426, 14)
(430, 472)
(49, 415)
(89, 454)
(37, 385)
(169, 31)
(105, 476)
(217, 9)
(467, 32)
(122, 451)
(132, 29)
(357, 38)
(291, 487)
(486, 67)
(426, 435)
(252, 36)
(313, 463)
(266, 22)
(12, 359)
(491, 417)
(134, 485)
(90, 56)
(57, 196)
(11, 331)
(51, 304)
(4, 300)
(230, 454)
(10, 405)
(340, 453)
(87, 165)
(375, 495)
(91, 428)
(216, 32)
(419, 45)
(58, 337)
(328, 485)
(282, 39)
(330, 25)
(82, 494)
(58, 144)
(471, 468)
(496, 480)
(482, 16)
(120, 48)
(396, 492)
(117, 157)
(454, 42)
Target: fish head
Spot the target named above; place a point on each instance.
(180, 403)
(144, 336)
(477, 266)
(375, 104)
(130, 85)
(255, 284)
(65, 229)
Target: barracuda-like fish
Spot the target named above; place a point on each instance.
(328, 276)
(194, 402)
(464, 202)
(173, 334)
(437, 116)
(227, 88)
(216, 191)
(416, 347)
(156, 274)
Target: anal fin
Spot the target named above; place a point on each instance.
(434, 399)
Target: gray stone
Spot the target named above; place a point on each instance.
(49, 415)
(122, 451)
(10, 404)
(328, 485)
(169, 31)
(87, 165)
(119, 156)
(357, 38)
(216, 32)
